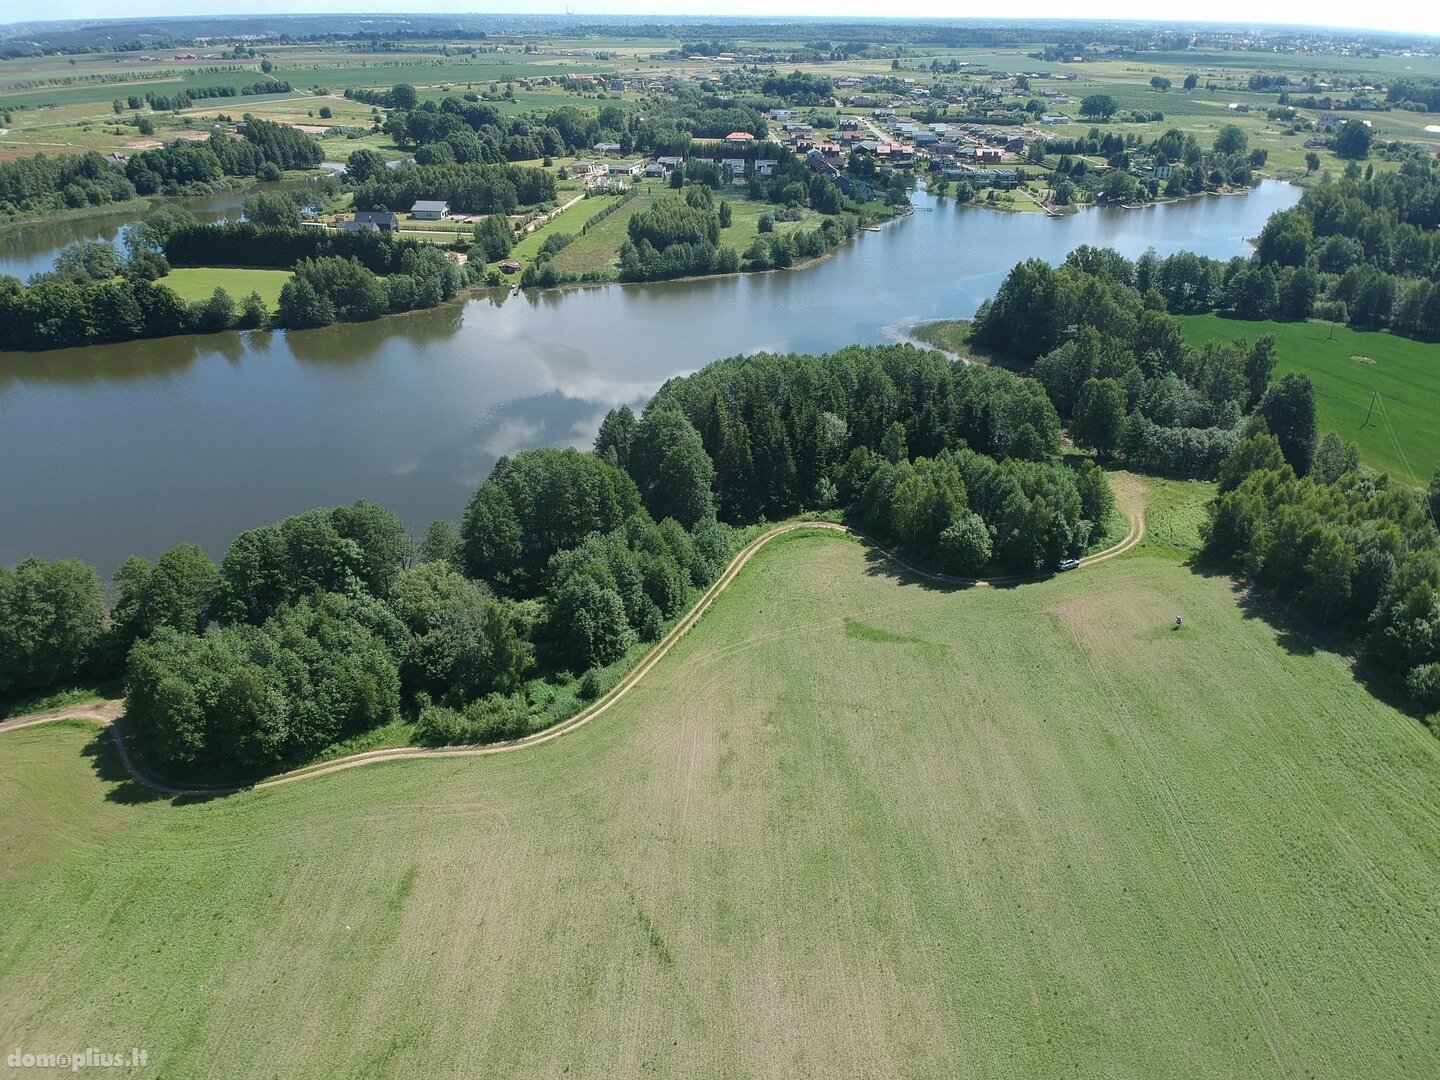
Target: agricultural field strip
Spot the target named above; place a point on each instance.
(110, 713)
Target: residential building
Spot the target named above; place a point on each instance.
(385, 221)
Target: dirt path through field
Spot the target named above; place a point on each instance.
(1129, 494)
(105, 711)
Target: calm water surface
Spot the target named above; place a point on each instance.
(30, 249)
(131, 449)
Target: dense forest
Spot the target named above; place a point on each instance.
(333, 623)
(1095, 332)
(471, 188)
(919, 450)
(1363, 250)
(183, 99)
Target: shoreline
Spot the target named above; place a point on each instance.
(1071, 209)
(507, 291)
(499, 294)
(143, 204)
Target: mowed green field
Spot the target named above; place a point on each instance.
(200, 282)
(851, 826)
(1402, 435)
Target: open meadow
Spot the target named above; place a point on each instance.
(1348, 367)
(851, 825)
(200, 282)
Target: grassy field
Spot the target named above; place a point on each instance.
(570, 221)
(852, 825)
(1401, 436)
(199, 282)
(600, 247)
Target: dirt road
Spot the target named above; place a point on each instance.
(110, 712)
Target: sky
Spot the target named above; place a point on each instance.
(1419, 16)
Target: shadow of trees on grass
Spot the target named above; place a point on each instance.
(122, 788)
(1300, 636)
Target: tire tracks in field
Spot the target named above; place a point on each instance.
(1204, 876)
(110, 712)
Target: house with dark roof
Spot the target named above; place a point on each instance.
(385, 221)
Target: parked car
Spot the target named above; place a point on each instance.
(1068, 564)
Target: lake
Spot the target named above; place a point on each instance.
(130, 449)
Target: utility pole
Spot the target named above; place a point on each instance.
(1373, 395)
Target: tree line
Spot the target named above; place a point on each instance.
(1351, 549)
(43, 184)
(246, 243)
(468, 188)
(183, 99)
(1360, 250)
(330, 289)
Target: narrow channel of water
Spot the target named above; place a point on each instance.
(29, 249)
(131, 449)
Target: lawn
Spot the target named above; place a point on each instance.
(199, 282)
(1401, 435)
(851, 825)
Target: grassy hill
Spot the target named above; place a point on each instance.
(851, 825)
(1402, 436)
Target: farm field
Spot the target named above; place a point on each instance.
(56, 105)
(851, 825)
(1402, 436)
(200, 282)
